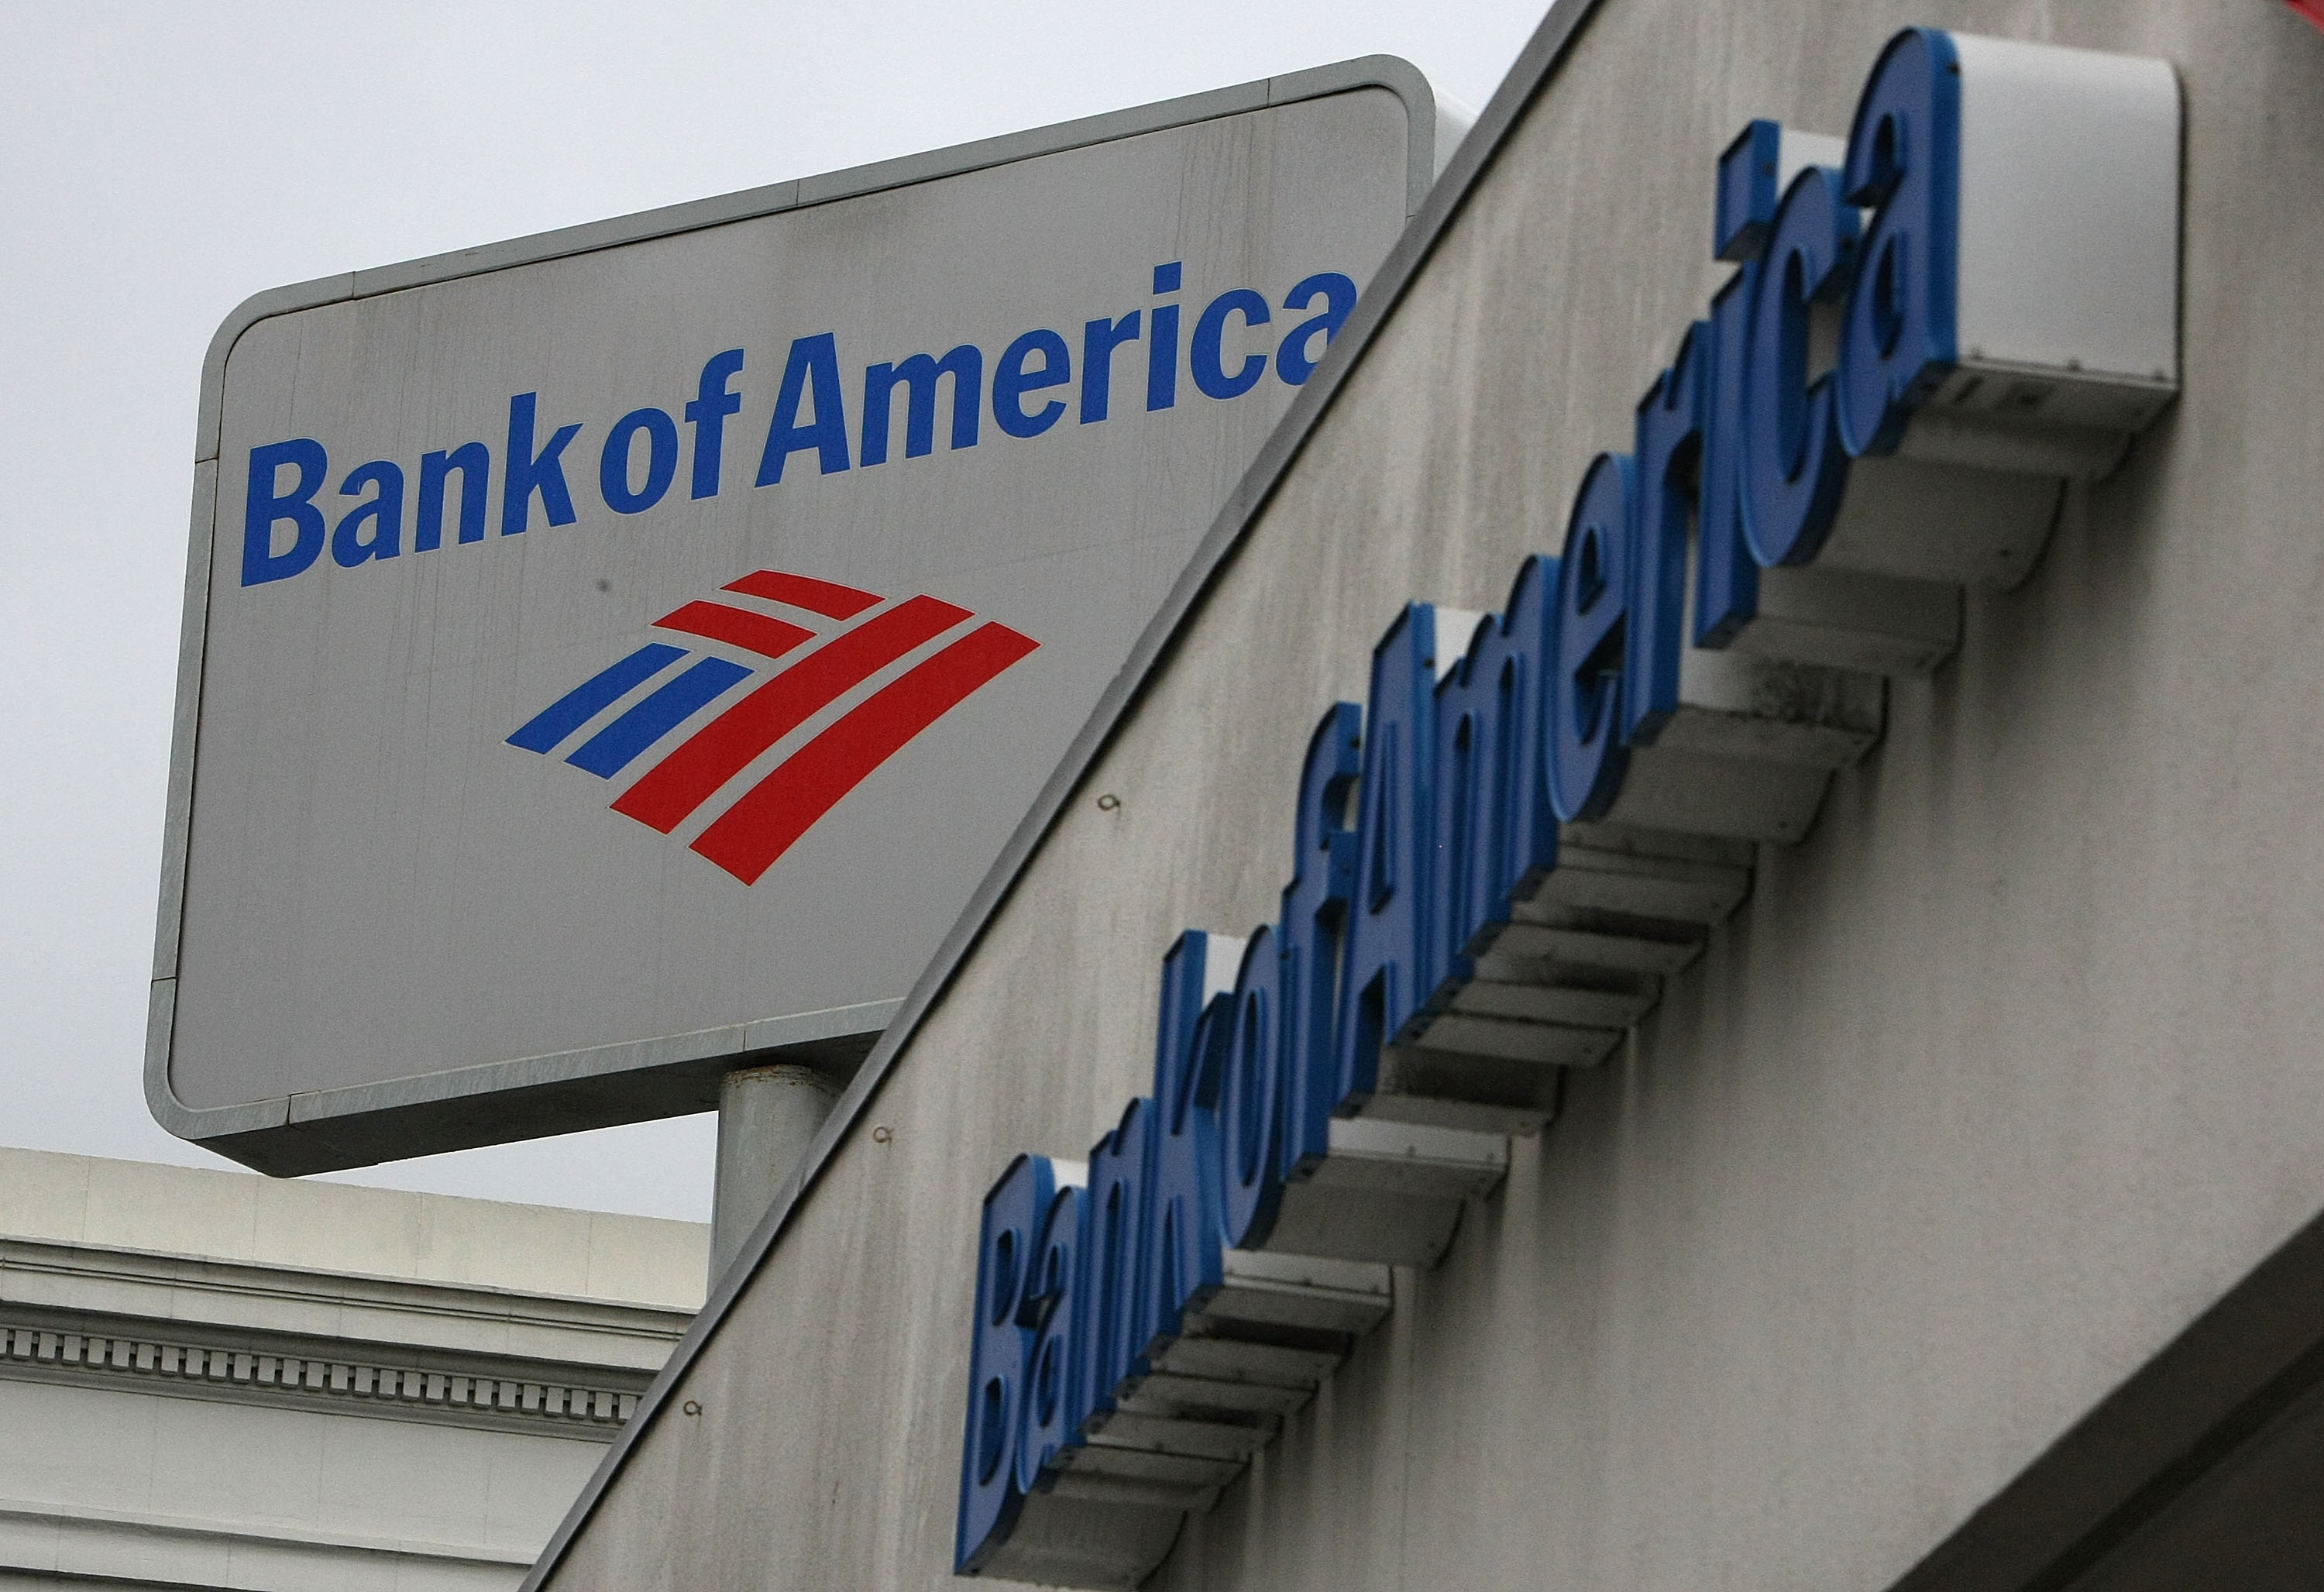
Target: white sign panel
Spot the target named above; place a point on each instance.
(616, 655)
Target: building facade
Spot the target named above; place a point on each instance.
(1945, 1217)
(214, 1379)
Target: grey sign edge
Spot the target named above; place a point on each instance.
(332, 1129)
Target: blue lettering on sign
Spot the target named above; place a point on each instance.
(638, 454)
(1162, 353)
(268, 506)
(1186, 1200)
(473, 463)
(1250, 1101)
(1669, 457)
(810, 379)
(1047, 1302)
(1100, 339)
(527, 474)
(1496, 828)
(1313, 928)
(1385, 949)
(1424, 818)
(1107, 1347)
(707, 414)
(1207, 354)
(918, 376)
(1015, 1214)
(1903, 161)
(1012, 379)
(614, 471)
(382, 511)
(1726, 575)
(1794, 464)
(1587, 754)
(1295, 358)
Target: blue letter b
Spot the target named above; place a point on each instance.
(267, 505)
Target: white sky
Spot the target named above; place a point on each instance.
(158, 163)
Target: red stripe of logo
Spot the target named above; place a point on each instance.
(693, 773)
(827, 598)
(748, 837)
(738, 626)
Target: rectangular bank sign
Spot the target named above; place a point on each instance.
(619, 654)
(1541, 815)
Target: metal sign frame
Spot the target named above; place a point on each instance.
(542, 1095)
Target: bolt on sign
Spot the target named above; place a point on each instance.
(617, 654)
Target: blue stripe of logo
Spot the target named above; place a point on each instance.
(614, 747)
(585, 701)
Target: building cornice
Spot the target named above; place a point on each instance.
(178, 1325)
(244, 1296)
(590, 1403)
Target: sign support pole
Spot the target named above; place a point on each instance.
(767, 1117)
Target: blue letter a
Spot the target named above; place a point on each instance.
(815, 358)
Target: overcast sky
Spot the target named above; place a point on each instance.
(158, 163)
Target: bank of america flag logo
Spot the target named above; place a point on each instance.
(849, 637)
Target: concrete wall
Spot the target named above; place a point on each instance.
(1995, 1081)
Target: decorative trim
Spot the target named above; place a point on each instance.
(295, 1307)
(352, 1386)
